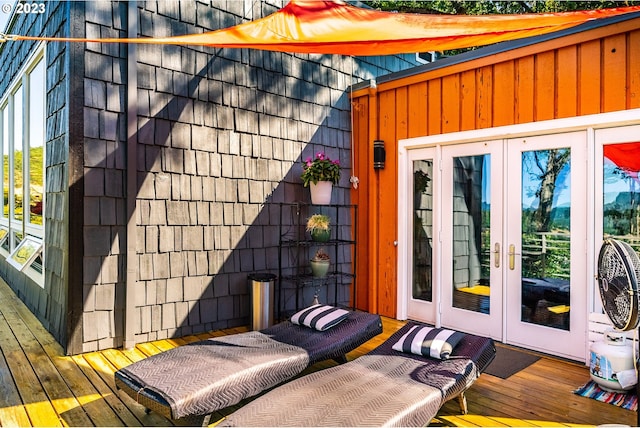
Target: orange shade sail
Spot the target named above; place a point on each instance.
(335, 27)
(624, 156)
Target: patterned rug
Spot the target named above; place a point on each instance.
(627, 400)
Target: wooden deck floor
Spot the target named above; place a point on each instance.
(39, 386)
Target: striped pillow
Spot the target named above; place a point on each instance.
(319, 317)
(429, 341)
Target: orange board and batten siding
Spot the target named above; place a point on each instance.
(590, 72)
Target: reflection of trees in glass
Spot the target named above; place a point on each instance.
(545, 167)
(545, 225)
(421, 179)
(35, 186)
(17, 185)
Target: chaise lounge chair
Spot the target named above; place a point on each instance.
(199, 378)
(385, 387)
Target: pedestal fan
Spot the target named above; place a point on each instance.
(618, 273)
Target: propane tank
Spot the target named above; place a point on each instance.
(610, 357)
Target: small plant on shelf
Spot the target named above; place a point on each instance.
(320, 263)
(319, 225)
(321, 255)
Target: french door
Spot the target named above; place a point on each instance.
(499, 240)
(546, 240)
(472, 224)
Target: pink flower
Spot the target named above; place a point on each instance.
(321, 168)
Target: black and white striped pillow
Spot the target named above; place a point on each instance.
(429, 341)
(319, 317)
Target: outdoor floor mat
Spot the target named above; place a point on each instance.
(510, 361)
(591, 389)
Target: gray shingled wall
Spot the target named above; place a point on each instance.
(48, 303)
(220, 138)
(220, 133)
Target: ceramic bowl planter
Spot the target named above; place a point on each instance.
(320, 235)
(320, 264)
(318, 225)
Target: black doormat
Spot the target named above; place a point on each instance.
(509, 361)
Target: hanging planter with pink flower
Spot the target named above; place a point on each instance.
(320, 174)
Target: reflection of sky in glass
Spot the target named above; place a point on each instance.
(486, 180)
(616, 182)
(5, 129)
(17, 120)
(531, 182)
(36, 105)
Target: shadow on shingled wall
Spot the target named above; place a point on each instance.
(225, 224)
(241, 233)
(251, 115)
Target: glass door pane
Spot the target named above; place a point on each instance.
(422, 230)
(621, 193)
(472, 227)
(471, 233)
(5, 163)
(546, 237)
(419, 272)
(34, 190)
(16, 171)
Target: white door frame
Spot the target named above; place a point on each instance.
(561, 342)
(590, 124)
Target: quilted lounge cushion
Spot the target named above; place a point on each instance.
(429, 341)
(319, 317)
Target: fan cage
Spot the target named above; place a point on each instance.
(618, 273)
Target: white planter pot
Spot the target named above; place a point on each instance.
(321, 192)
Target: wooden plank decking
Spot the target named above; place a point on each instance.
(39, 386)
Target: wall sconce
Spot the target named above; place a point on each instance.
(379, 154)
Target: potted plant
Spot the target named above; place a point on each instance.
(320, 264)
(320, 174)
(319, 226)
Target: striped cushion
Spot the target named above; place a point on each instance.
(429, 341)
(319, 317)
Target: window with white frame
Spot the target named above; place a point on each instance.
(22, 119)
(621, 193)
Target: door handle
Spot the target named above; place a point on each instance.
(512, 257)
(496, 255)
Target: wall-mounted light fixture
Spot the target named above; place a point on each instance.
(379, 154)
